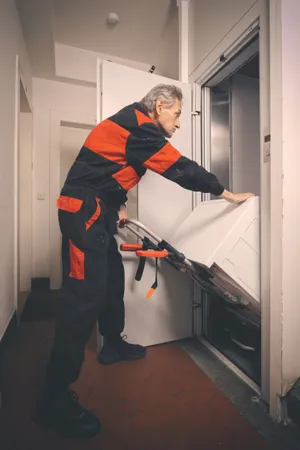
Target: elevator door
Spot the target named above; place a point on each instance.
(220, 148)
(235, 133)
(232, 153)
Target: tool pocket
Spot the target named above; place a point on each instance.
(69, 204)
(71, 219)
(84, 212)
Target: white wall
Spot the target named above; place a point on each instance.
(210, 23)
(245, 135)
(67, 100)
(11, 44)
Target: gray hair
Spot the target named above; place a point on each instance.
(167, 93)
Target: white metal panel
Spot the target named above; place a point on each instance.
(162, 206)
(225, 235)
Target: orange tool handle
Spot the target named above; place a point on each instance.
(131, 247)
(152, 253)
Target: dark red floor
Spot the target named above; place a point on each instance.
(164, 402)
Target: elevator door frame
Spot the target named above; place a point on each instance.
(202, 156)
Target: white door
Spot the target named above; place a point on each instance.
(162, 206)
(24, 199)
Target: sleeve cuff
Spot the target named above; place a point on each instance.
(217, 189)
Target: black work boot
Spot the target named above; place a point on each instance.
(63, 412)
(116, 349)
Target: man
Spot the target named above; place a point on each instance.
(114, 157)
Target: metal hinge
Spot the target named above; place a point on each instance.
(196, 113)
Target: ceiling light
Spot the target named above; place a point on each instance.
(112, 18)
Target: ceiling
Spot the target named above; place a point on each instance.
(147, 31)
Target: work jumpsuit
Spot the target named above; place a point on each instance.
(114, 157)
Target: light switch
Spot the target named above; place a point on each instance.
(41, 196)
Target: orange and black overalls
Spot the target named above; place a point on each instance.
(114, 157)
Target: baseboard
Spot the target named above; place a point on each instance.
(8, 338)
(40, 284)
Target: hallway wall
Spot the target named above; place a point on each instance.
(11, 45)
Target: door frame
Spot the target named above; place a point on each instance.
(256, 20)
(206, 121)
(19, 79)
(57, 120)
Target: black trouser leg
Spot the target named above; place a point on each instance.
(65, 259)
(84, 293)
(111, 319)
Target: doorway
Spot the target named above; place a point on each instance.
(24, 198)
(231, 150)
(235, 130)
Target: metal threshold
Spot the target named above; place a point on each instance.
(231, 366)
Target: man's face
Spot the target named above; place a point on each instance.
(168, 118)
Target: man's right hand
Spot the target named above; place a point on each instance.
(236, 198)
